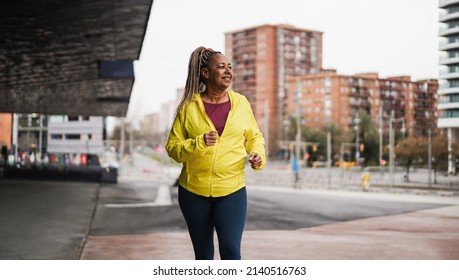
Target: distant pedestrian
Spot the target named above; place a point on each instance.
(213, 133)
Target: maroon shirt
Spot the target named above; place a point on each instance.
(218, 113)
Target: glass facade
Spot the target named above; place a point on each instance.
(447, 95)
(448, 106)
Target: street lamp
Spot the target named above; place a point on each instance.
(327, 106)
(286, 124)
(298, 132)
(403, 129)
(356, 128)
(429, 148)
(392, 120)
(380, 132)
(122, 136)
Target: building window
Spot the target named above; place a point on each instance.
(72, 136)
(450, 114)
(453, 24)
(72, 118)
(453, 9)
(56, 119)
(56, 136)
(453, 68)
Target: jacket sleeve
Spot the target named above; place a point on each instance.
(181, 148)
(254, 140)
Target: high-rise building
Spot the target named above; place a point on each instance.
(449, 74)
(264, 57)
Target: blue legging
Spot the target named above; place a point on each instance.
(226, 214)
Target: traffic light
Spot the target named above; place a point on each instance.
(306, 156)
(314, 148)
(362, 147)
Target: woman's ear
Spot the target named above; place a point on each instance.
(205, 73)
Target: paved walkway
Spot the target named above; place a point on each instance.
(36, 209)
(425, 235)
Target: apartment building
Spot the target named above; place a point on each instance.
(449, 74)
(264, 58)
(76, 134)
(413, 102)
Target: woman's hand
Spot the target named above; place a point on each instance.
(210, 138)
(255, 160)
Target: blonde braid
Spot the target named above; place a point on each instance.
(199, 59)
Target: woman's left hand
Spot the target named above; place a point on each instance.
(255, 160)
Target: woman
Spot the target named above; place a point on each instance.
(213, 132)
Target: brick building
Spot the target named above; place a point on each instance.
(264, 57)
(413, 101)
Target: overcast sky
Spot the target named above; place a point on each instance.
(391, 37)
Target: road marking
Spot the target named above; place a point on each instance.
(163, 198)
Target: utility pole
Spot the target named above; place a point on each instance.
(391, 149)
(286, 124)
(328, 126)
(298, 128)
(429, 156)
(40, 135)
(380, 131)
(131, 142)
(429, 148)
(391, 143)
(121, 151)
(15, 136)
(356, 128)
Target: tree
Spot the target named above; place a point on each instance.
(315, 136)
(439, 153)
(407, 151)
(368, 136)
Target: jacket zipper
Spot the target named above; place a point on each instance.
(203, 111)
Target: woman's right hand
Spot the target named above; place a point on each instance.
(210, 138)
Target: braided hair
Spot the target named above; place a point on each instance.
(199, 59)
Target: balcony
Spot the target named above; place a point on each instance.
(447, 75)
(445, 46)
(443, 91)
(448, 105)
(448, 122)
(446, 3)
(446, 16)
(446, 31)
(449, 60)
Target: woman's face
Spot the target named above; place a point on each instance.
(219, 73)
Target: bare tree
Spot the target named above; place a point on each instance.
(407, 151)
(439, 153)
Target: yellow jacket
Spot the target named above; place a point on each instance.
(214, 170)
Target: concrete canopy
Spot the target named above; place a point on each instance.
(50, 52)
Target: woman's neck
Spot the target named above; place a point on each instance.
(215, 97)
